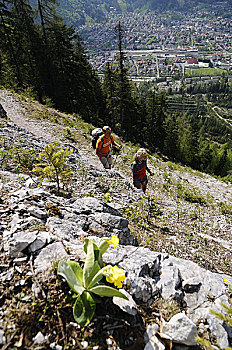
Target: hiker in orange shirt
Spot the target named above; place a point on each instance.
(103, 147)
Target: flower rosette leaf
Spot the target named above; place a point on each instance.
(104, 245)
(91, 267)
(72, 274)
(84, 309)
(77, 270)
(106, 291)
(98, 276)
(97, 252)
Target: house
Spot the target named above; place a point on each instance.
(192, 61)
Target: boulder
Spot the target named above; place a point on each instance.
(180, 329)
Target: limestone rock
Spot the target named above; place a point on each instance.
(49, 256)
(129, 306)
(42, 238)
(152, 342)
(180, 329)
(19, 242)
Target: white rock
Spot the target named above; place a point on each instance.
(2, 338)
(41, 240)
(38, 213)
(180, 329)
(48, 256)
(151, 330)
(128, 306)
(39, 338)
(84, 344)
(154, 344)
(20, 241)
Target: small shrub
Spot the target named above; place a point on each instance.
(228, 178)
(225, 208)
(54, 166)
(68, 134)
(17, 156)
(142, 214)
(89, 194)
(190, 195)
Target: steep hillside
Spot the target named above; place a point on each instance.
(185, 220)
(78, 12)
(185, 212)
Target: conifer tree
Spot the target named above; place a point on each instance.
(205, 156)
(11, 66)
(158, 121)
(189, 145)
(28, 43)
(126, 105)
(111, 98)
(171, 141)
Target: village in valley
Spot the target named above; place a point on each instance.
(170, 48)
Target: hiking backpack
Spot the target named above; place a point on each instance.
(96, 133)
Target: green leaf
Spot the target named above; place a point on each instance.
(86, 245)
(92, 275)
(77, 270)
(103, 247)
(100, 261)
(97, 277)
(98, 258)
(84, 309)
(89, 263)
(87, 240)
(106, 291)
(65, 270)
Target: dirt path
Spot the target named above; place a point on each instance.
(46, 130)
(19, 116)
(218, 115)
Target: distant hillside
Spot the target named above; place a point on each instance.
(79, 12)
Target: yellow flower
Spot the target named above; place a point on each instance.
(225, 280)
(115, 275)
(114, 240)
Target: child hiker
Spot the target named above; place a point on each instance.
(139, 167)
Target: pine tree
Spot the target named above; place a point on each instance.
(188, 141)
(10, 66)
(127, 108)
(205, 156)
(28, 43)
(158, 121)
(111, 98)
(171, 141)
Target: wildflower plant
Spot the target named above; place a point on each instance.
(87, 283)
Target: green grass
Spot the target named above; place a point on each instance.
(151, 40)
(201, 72)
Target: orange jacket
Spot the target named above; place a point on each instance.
(103, 145)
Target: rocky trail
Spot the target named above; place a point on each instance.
(175, 244)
